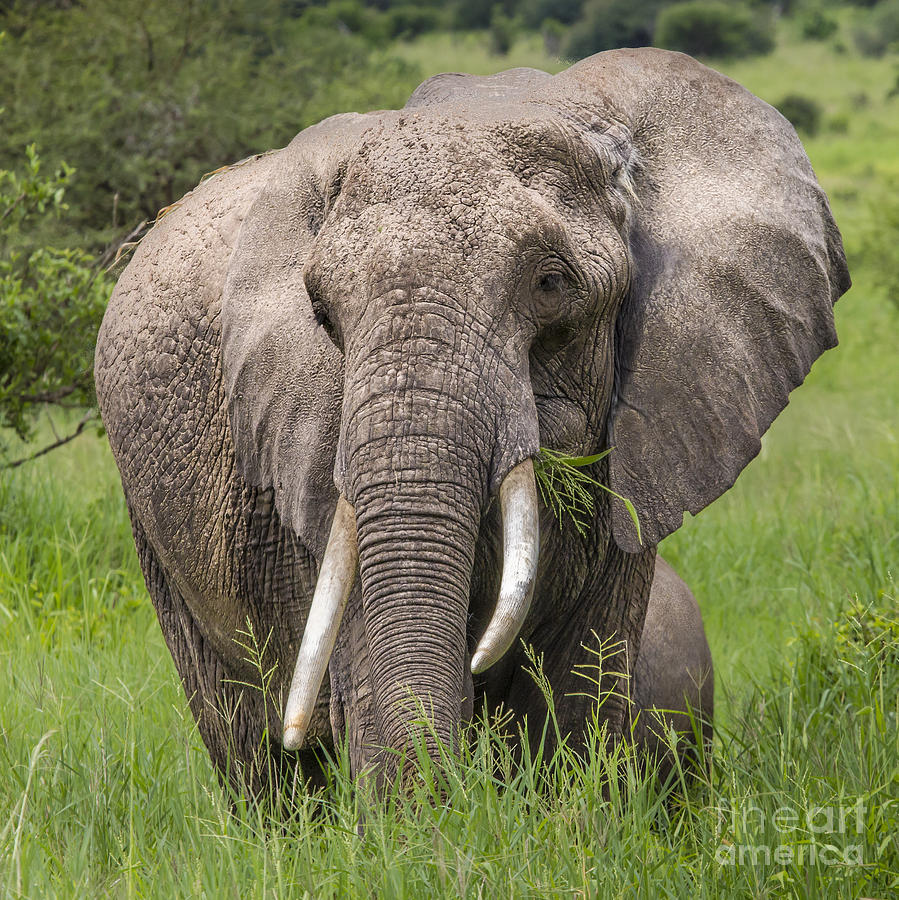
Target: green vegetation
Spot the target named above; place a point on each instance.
(107, 790)
(803, 112)
(606, 24)
(567, 489)
(712, 28)
(144, 98)
(879, 32)
(51, 302)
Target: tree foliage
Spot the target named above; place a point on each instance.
(713, 28)
(607, 24)
(144, 98)
(878, 32)
(141, 99)
(803, 112)
(51, 302)
(880, 241)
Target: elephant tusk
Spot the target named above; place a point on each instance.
(332, 590)
(521, 546)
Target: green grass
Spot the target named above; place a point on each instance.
(464, 52)
(107, 790)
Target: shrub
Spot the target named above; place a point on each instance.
(839, 124)
(553, 34)
(713, 29)
(880, 249)
(803, 112)
(535, 13)
(880, 32)
(349, 17)
(51, 303)
(142, 99)
(411, 21)
(816, 25)
(470, 14)
(607, 24)
(502, 33)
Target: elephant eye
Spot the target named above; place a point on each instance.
(551, 282)
(551, 276)
(323, 318)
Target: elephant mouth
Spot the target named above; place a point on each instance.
(521, 546)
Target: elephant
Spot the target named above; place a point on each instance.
(328, 371)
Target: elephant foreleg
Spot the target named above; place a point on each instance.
(240, 734)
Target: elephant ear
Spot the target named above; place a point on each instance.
(283, 378)
(736, 262)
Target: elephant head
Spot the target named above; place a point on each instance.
(631, 254)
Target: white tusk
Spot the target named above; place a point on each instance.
(521, 547)
(332, 590)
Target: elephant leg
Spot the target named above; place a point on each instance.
(238, 730)
(674, 682)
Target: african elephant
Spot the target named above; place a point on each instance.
(326, 374)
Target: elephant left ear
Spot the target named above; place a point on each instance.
(283, 378)
(736, 265)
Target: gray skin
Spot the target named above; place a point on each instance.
(400, 307)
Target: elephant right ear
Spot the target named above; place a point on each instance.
(736, 265)
(283, 378)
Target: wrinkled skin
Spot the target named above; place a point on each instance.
(401, 307)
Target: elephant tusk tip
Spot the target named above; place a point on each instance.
(480, 662)
(293, 737)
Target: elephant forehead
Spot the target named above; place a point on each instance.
(457, 152)
(393, 246)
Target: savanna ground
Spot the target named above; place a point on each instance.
(107, 790)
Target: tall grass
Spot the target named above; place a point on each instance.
(107, 791)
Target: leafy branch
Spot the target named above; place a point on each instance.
(568, 490)
(51, 303)
(90, 416)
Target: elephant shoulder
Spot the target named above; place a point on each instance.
(174, 281)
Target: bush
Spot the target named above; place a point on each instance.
(880, 32)
(471, 14)
(880, 248)
(143, 99)
(803, 112)
(51, 303)
(349, 17)
(502, 33)
(816, 25)
(709, 28)
(553, 34)
(839, 124)
(535, 13)
(607, 24)
(411, 21)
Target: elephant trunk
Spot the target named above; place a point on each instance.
(521, 545)
(426, 439)
(417, 446)
(415, 566)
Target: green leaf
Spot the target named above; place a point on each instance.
(565, 488)
(631, 509)
(580, 461)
